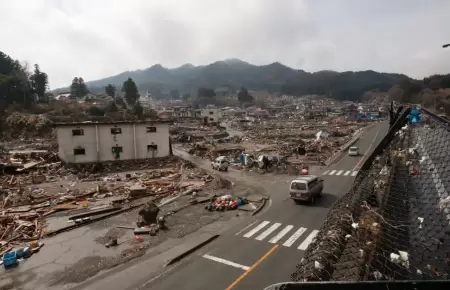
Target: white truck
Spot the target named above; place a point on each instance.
(353, 151)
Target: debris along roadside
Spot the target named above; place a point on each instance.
(109, 219)
(279, 146)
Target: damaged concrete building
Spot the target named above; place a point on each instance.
(88, 142)
(210, 115)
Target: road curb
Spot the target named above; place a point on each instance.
(260, 207)
(339, 155)
(342, 150)
(191, 250)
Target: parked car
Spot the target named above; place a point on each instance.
(220, 163)
(306, 188)
(353, 151)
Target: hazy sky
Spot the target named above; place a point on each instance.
(99, 38)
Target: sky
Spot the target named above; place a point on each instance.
(100, 38)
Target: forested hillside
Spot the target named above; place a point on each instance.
(234, 74)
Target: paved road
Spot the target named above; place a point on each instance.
(266, 249)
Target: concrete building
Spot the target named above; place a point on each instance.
(183, 112)
(107, 141)
(260, 113)
(211, 115)
(146, 102)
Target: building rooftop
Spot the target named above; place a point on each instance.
(91, 123)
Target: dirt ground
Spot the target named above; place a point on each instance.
(74, 256)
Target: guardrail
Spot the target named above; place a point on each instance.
(335, 157)
(393, 224)
(366, 285)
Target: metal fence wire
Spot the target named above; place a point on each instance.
(394, 222)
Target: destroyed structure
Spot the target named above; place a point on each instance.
(289, 137)
(210, 115)
(40, 196)
(88, 142)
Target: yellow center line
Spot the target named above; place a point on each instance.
(266, 255)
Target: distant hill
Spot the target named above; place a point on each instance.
(235, 73)
(432, 92)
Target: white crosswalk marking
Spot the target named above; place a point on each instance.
(267, 232)
(257, 229)
(294, 237)
(281, 234)
(308, 240)
(278, 233)
(248, 226)
(343, 172)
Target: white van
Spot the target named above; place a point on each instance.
(353, 151)
(306, 188)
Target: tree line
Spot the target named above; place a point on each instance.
(427, 92)
(206, 96)
(129, 102)
(19, 85)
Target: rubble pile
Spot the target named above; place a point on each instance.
(225, 202)
(259, 135)
(300, 143)
(27, 125)
(188, 133)
(148, 214)
(286, 146)
(211, 152)
(29, 198)
(124, 165)
(17, 161)
(287, 141)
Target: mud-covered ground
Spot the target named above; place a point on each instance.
(76, 255)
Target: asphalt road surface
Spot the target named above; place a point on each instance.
(266, 249)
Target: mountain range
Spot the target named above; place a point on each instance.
(234, 74)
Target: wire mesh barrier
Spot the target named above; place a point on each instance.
(366, 285)
(393, 224)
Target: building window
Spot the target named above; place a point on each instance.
(152, 147)
(151, 129)
(79, 151)
(211, 119)
(77, 132)
(116, 131)
(211, 113)
(116, 149)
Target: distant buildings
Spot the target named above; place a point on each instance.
(146, 101)
(210, 115)
(64, 97)
(186, 111)
(96, 99)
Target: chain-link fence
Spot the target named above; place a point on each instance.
(394, 222)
